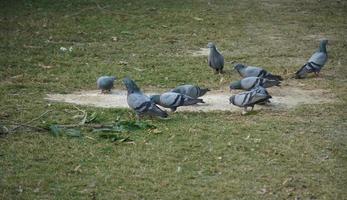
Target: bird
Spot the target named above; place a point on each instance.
(141, 103)
(105, 83)
(315, 63)
(250, 98)
(173, 100)
(252, 82)
(215, 59)
(190, 90)
(250, 71)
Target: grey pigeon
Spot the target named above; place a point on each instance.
(173, 100)
(190, 90)
(316, 62)
(262, 90)
(105, 83)
(215, 59)
(140, 103)
(250, 71)
(252, 82)
(250, 98)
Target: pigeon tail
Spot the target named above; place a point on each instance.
(156, 111)
(203, 91)
(193, 102)
(301, 72)
(201, 101)
(274, 77)
(270, 83)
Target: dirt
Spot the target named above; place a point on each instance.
(200, 52)
(284, 97)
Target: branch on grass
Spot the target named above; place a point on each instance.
(27, 123)
(85, 125)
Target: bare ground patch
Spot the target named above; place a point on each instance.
(200, 52)
(284, 97)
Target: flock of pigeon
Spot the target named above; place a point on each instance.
(255, 81)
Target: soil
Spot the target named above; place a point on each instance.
(284, 97)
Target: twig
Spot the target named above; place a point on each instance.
(79, 12)
(29, 126)
(85, 125)
(27, 123)
(85, 114)
(91, 138)
(32, 47)
(83, 111)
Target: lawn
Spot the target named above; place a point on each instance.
(298, 153)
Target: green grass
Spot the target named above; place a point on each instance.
(299, 153)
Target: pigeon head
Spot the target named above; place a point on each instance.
(239, 66)
(130, 85)
(235, 85)
(323, 45)
(232, 100)
(155, 98)
(211, 45)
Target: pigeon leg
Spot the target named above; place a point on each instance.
(138, 117)
(317, 74)
(103, 92)
(252, 108)
(244, 111)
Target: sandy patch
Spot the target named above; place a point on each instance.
(200, 52)
(284, 97)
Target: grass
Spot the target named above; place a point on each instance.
(299, 153)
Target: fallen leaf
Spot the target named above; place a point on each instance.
(46, 66)
(91, 138)
(20, 189)
(156, 131)
(17, 76)
(138, 69)
(198, 18)
(262, 191)
(77, 168)
(179, 169)
(126, 33)
(123, 62)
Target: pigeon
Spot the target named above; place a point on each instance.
(249, 71)
(315, 63)
(140, 103)
(250, 98)
(262, 90)
(190, 90)
(173, 100)
(252, 82)
(215, 59)
(105, 83)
